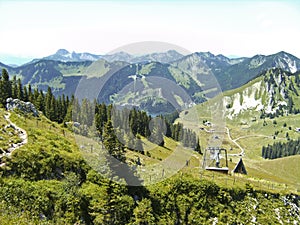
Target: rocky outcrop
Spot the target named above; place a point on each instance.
(25, 107)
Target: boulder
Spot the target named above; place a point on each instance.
(25, 107)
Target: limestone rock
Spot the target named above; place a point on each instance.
(25, 107)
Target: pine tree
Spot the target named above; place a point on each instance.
(100, 117)
(40, 101)
(20, 93)
(60, 113)
(50, 104)
(25, 93)
(5, 87)
(30, 94)
(53, 109)
(111, 142)
(198, 147)
(14, 88)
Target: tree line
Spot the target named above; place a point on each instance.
(128, 124)
(53, 108)
(279, 149)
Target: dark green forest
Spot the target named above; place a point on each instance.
(279, 149)
(64, 109)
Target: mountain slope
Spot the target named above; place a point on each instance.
(233, 73)
(162, 57)
(238, 74)
(200, 75)
(274, 92)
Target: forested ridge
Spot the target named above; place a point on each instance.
(64, 109)
(282, 86)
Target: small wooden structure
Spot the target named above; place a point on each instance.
(240, 167)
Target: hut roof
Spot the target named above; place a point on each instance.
(240, 167)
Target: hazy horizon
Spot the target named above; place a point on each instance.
(34, 29)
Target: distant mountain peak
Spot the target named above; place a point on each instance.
(172, 51)
(282, 53)
(205, 54)
(121, 53)
(62, 52)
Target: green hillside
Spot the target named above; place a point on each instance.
(49, 180)
(65, 173)
(262, 112)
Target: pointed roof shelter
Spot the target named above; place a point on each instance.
(240, 167)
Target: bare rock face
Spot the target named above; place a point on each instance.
(25, 107)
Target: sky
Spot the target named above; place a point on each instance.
(34, 29)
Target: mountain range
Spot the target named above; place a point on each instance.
(65, 56)
(125, 78)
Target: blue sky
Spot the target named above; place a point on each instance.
(32, 29)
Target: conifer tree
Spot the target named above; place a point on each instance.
(49, 104)
(5, 87)
(198, 147)
(14, 88)
(25, 94)
(40, 101)
(20, 93)
(111, 142)
(30, 94)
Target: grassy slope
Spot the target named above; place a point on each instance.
(55, 139)
(283, 169)
(50, 152)
(252, 135)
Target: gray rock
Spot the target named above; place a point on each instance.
(25, 107)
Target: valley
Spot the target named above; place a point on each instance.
(131, 112)
(80, 160)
